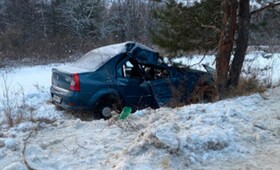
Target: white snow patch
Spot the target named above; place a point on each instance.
(10, 143)
(265, 66)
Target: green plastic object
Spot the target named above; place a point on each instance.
(125, 113)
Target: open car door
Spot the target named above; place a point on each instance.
(161, 91)
(162, 85)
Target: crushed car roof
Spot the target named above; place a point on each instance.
(95, 58)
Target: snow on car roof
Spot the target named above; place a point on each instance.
(95, 58)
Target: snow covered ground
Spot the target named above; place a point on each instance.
(239, 133)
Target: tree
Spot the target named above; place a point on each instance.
(232, 21)
(241, 42)
(21, 23)
(265, 25)
(184, 28)
(229, 78)
(59, 28)
(225, 45)
(80, 17)
(132, 20)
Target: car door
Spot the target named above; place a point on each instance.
(133, 87)
(163, 86)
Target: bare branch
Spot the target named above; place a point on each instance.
(200, 60)
(270, 5)
(208, 26)
(211, 27)
(35, 130)
(80, 145)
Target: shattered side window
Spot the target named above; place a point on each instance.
(127, 67)
(128, 70)
(153, 73)
(120, 72)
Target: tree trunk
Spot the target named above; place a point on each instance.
(241, 42)
(225, 44)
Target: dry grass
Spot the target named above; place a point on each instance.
(7, 103)
(176, 97)
(203, 93)
(15, 110)
(247, 86)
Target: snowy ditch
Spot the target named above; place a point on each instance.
(213, 136)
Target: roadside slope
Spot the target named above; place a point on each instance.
(237, 133)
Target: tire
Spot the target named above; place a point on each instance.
(105, 107)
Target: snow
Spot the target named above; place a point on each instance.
(10, 143)
(265, 66)
(236, 133)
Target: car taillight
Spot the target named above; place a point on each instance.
(75, 83)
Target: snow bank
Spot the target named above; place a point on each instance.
(28, 93)
(180, 138)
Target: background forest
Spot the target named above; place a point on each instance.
(49, 30)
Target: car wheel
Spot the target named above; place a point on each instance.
(105, 107)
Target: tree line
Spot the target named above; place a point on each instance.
(58, 28)
(61, 27)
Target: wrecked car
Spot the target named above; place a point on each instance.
(127, 74)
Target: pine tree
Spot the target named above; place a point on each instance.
(188, 28)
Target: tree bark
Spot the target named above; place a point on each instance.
(225, 45)
(241, 42)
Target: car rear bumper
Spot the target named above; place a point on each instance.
(67, 99)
